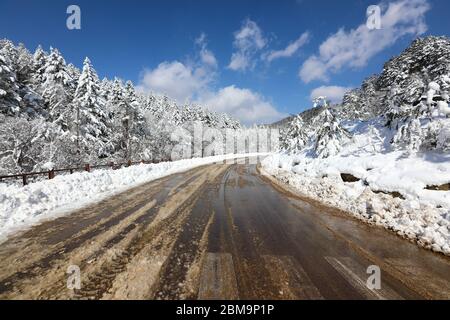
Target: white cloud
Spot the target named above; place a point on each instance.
(313, 69)
(177, 80)
(354, 48)
(290, 50)
(206, 56)
(247, 42)
(182, 81)
(247, 106)
(333, 93)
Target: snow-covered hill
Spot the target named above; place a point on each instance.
(384, 153)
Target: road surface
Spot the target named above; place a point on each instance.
(215, 232)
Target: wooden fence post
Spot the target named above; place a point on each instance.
(87, 167)
(71, 171)
(51, 174)
(24, 180)
(129, 163)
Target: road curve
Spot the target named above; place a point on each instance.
(221, 231)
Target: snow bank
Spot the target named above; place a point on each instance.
(394, 188)
(21, 207)
(417, 214)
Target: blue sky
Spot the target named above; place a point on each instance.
(232, 55)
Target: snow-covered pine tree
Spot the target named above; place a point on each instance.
(9, 89)
(74, 74)
(295, 137)
(133, 120)
(10, 52)
(106, 88)
(24, 65)
(92, 119)
(39, 60)
(418, 126)
(57, 89)
(329, 135)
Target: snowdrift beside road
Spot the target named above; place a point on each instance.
(391, 191)
(383, 154)
(21, 207)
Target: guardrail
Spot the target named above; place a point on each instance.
(87, 167)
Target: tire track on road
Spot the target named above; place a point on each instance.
(88, 238)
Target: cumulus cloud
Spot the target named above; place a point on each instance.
(247, 42)
(290, 50)
(182, 81)
(179, 81)
(354, 48)
(243, 104)
(333, 93)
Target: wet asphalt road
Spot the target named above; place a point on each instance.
(215, 232)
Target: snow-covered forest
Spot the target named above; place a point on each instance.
(384, 153)
(53, 115)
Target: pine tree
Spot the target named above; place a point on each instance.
(295, 138)
(57, 89)
(133, 122)
(93, 127)
(24, 65)
(330, 136)
(9, 96)
(38, 67)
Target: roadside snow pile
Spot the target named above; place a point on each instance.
(389, 190)
(383, 154)
(21, 207)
